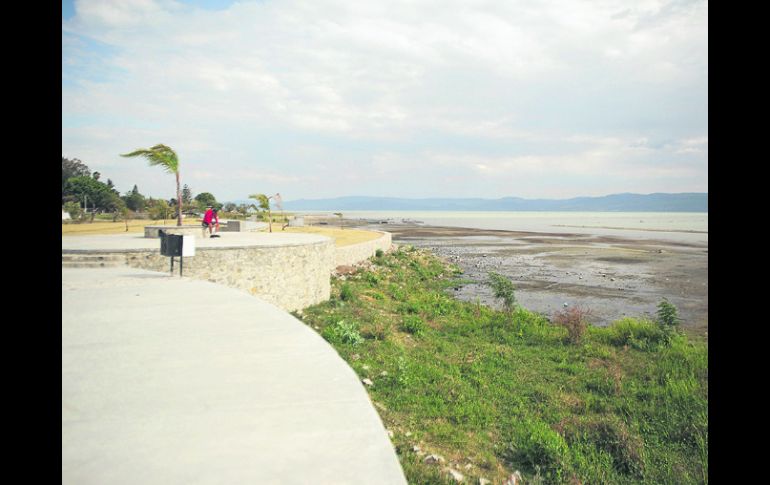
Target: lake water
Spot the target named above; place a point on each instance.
(675, 226)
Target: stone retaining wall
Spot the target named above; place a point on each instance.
(197, 231)
(154, 231)
(350, 255)
(291, 277)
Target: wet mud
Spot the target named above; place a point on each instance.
(611, 276)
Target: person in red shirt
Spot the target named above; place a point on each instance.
(208, 218)
(215, 223)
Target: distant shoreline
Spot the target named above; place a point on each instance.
(681, 227)
(656, 202)
(634, 229)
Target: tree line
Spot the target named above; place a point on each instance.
(85, 194)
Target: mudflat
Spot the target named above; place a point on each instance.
(611, 276)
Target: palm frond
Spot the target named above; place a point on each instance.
(158, 155)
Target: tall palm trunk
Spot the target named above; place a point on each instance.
(178, 202)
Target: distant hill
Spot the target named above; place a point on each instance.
(683, 202)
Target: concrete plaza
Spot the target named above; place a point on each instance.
(169, 380)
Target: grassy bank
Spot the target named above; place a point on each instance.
(491, 392)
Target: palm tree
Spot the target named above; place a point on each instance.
(166, 158)
(264, 204)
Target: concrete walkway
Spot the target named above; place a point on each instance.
(167, 380)
(137, 242)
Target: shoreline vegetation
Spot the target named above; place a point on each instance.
(465, 389)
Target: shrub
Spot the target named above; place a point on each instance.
(372, 278)
(376, 328)
(502, 288)
(668, 316)
(379, 253)
(410, 306)
(346, 292)
(574, 320)
(437, 304)
(637, 334)
(397, 292)
(413, 324)
(342, 332)
(611, 435)
(76, 213)
(403, 376)
(535, 445)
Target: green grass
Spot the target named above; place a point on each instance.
(506, 391)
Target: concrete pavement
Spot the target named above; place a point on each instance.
(132, 241)
(168, 380)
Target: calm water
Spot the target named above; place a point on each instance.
(676, 226)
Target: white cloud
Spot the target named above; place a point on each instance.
(562, 86)
(697, 145)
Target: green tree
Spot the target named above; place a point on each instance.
(205, 199)
(264, 204)
(74, 210)
(91, 193)
(243, 209)
(134, 200)
(187, 197)
(112, 186)
(159, 209)
(72, 168)
(123, 212)
(165, 157)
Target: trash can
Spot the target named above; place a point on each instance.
(170, 244)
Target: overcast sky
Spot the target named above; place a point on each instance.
(401, 98)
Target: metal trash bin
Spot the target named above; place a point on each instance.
(170, 244)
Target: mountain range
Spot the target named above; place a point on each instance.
(658, 202)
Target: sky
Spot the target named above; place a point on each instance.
(399, 98)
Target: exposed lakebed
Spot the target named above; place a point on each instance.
(612, 276)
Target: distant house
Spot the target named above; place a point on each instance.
(65, 216)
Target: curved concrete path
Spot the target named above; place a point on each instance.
(132, 241)
(168, 380)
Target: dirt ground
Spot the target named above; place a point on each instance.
(342, 237)
(611, 276)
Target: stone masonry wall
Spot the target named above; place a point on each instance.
(291, 277)
(350, 255)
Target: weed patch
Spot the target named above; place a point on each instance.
(574, 320)
(413, 324)
(508, 390)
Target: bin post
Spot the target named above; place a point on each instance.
(171, 246)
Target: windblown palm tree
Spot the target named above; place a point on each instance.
(264, 204)
(166, 158)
